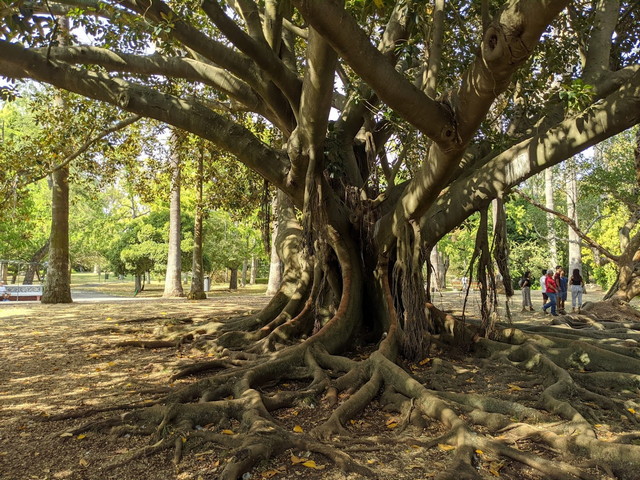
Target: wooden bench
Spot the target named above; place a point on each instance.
(24, 292)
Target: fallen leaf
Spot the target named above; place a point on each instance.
(424, 361)
(631, 410)
(445, 448)
(494, 468)
(312, 464)
(513, 387)
(269, 473)
(83, 462)
(66, 434)
(228, 432)
(81, 436)
(296, 460)
(392, 424)
(479, 452)
(298, 429)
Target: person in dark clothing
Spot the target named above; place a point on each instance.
(576, 283)
(562, 291)
(525, 286)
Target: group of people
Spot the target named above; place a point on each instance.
(554, 290)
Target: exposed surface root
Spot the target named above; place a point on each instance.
(542, 398)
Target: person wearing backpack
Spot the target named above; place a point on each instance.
(525, 286)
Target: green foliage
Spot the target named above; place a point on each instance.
(458, 246)
(577, 95)
(24, 225)
(228, 243)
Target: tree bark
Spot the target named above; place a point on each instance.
(58, 280)
(575, 254)
(439, 269)
(254, 270)
(275, 264)
(549, 202)
(173, 279)
(233, 279)
(197, 280)
(243, 275)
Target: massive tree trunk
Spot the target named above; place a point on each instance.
(58, 279)
(173, 279)
(353, 252)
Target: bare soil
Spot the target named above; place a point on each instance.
(63, 360)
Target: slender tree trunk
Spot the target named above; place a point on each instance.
(197, 280)
(139, 282)
(173, 283)
(58, 281)
(575, 254)
(233, 279)
(254, 270)
(275, 265)
(243, 276)
(439, 269)
(551, 229)
(32, 267)
(3, 271)
(57, 287)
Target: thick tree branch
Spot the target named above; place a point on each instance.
(156, 64)
(349, 40)
(435, 50)
(617, 112)
(258, 51)
(191, 116)
(214, 51)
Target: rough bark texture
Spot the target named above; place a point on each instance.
(575, 251)
(58, 280)
(173, 279)
(197, 269)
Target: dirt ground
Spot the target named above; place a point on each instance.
(63, 360)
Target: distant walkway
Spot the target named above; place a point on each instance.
(92, 296)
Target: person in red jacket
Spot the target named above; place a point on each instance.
(552, 292)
